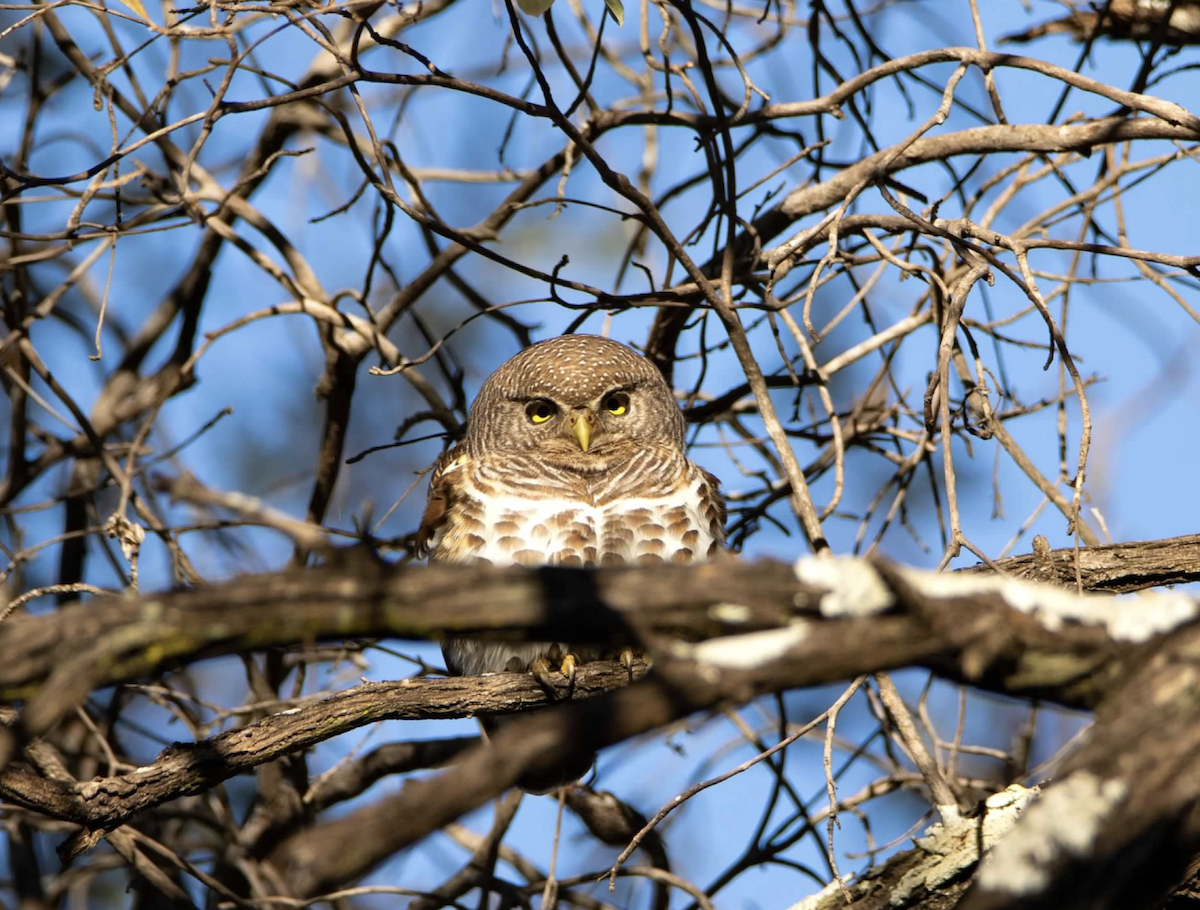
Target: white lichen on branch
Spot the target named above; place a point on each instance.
(741, 652)
(953, 849)
(854, 587)
(1128, 619)
(1063, 823)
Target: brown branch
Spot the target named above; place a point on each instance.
(55, 660)
(788, 633)
(1119, 568)
(185, 769)
(1118, 827)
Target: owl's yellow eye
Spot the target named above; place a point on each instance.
(539, 411)
(616, 404)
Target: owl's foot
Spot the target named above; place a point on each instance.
(627, 657)
(627, 661)
(555, 661)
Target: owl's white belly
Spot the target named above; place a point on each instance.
(562, 532)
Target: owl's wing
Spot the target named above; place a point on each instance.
(713, 506)
(446, 472)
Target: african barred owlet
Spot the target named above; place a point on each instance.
(573, 456)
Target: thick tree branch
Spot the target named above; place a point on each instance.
(55, 660)
(721, 633)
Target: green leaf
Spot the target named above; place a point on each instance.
(534, 7)
(617, 9)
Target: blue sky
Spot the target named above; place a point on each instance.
(1141, 476)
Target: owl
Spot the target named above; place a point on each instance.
(573, 456)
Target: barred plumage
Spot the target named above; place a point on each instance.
(574, 455)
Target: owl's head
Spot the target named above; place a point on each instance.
(575, 398)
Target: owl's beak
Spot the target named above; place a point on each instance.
(582, 425)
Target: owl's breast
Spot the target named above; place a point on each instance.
(506, 529)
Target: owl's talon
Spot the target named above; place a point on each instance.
(545, 667)
(540, 669)
(627, 661)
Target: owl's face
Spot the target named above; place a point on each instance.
(576, 399)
